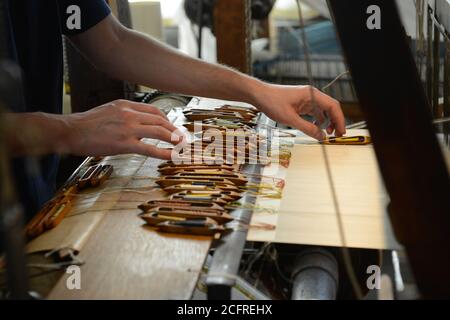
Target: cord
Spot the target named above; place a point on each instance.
(345, 252)
(335, 80)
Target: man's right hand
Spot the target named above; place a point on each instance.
(117, 128)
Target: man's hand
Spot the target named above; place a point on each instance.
(117, 128)
(285, 104)
(126, 54)
(113, 128)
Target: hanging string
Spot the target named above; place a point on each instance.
(345, 252)
(252, 207)
(113, 190)
(256, 188)
(287, 133)
(335, 80)
(257, 175)
(255, 258)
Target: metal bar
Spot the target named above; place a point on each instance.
(241, 290)
(315, 275)
(399, 119)
(224, 268)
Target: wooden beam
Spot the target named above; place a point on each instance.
(410, 158)
(232, 27)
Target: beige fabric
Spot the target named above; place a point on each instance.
(306, 214)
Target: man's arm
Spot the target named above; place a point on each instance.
(130, 55)
(114, 128)
(34, 133)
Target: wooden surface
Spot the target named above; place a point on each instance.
(125, 260)
(306, 214)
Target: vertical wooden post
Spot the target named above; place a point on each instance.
(409, 155)
(232, 27)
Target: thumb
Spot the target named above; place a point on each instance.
(308, 128)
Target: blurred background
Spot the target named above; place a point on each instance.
(274, 47)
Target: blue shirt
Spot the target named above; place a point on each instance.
(37, 27)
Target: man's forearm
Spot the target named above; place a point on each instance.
(140, 59)
(35, 133)
(132, 56)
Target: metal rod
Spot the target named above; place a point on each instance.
(315, 275)
(224, 268)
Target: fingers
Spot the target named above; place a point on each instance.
(321, 120)
(140, 113)
(150, 122)
(318, 115)
(152, 151)
(330, 128)
(157, 132)
(163, 129)
(146, 108)
(307, 127)
(155, 120)
(153, 123)
(334, 112)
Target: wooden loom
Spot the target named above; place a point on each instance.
(116, 237)
(103, 223)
